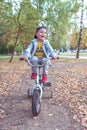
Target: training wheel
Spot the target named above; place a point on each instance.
(51, 94)
(29, 94)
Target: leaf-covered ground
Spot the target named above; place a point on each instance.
(69, 83)
(71, 87)
(9, 74)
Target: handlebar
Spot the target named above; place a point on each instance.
(38, 65)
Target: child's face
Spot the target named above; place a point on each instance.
(41, 34)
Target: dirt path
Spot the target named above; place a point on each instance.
(56, 114)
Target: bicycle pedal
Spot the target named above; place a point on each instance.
(47, 84)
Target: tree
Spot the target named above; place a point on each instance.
(5, 22)
(24, 23)
(58, 18)
(75, 37)
(18, 33)
(80, 33)
(20, 24)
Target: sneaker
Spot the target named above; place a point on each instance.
(44, 78)
(33, 76)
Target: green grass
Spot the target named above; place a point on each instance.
(73, 54)
(4, 55)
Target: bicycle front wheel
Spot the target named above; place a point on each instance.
(36, 103)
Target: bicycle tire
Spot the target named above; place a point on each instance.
(36, 103)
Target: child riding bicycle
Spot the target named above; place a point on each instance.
(39, 50)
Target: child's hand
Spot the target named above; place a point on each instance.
(55, 57)
(26, 58)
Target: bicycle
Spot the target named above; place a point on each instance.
(37, 90)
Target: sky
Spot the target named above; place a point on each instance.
(84, 15)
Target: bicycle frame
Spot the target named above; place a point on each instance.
(38, 84)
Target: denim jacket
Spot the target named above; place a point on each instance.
(47, 48)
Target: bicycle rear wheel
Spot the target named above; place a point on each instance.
(36, 103)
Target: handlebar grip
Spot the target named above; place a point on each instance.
(21, 58)
(57, 57)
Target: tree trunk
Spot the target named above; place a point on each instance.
(15, 45)
(19, 28)
(80, 34)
